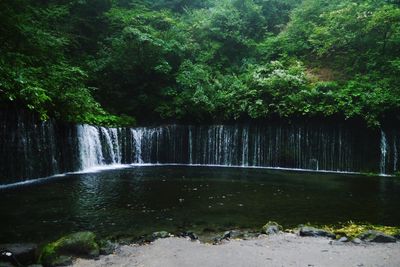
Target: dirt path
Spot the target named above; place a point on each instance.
(278, 250)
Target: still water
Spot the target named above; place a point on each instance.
(140, 200)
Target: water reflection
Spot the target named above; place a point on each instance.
(144, 199)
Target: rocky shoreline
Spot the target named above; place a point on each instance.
(283, 249)
(84, 249)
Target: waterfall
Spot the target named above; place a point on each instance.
(384, 152)
(109, 143)
(115, 145)
(329, 148)
(190, 145)
(137, 136)
(245, 146)
(312, 147)
(395, 155)
(30, 148)
(98, 146)
(48, 136)
(90, 148)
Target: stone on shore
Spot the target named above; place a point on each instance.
(21, 253)
(107, 247)
(227, 235)
(377, 237)
(315, 232)
(190, 235)
(161, 234)
(271, 228)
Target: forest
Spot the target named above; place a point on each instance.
(127, 62)
(199, 133)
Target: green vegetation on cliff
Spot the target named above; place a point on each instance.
(215, 60)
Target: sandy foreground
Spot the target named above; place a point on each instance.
(277, 250)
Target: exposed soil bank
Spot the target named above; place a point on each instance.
(276, 250)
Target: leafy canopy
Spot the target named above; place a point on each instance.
(201, 61)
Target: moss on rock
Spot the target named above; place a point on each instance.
(271, 228)
(353, 230)
(59, 253)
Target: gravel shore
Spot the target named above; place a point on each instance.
(277, 250)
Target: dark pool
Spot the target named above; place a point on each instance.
(140, 200)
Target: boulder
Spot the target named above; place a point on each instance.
(232, 234)
(161, 234)
(107, 247)
(315, 232)
(190, 235)
(228, 235)
(60, 253)
(271, 228)
(378, 237)
(356, 241)
(397, 235)
(19, 253)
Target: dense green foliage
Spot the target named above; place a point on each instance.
(38, 68)
(201, 61)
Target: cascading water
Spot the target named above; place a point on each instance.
(109, 143)
(389, 152)
(190, 145)
(111, 146)
(117, 158)
(137, 136)
(245, 146)
(395, 157)
(384, 152)
(284, 146)
(90, 147)
(98, 146)
(281, 146)
(31, 149)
